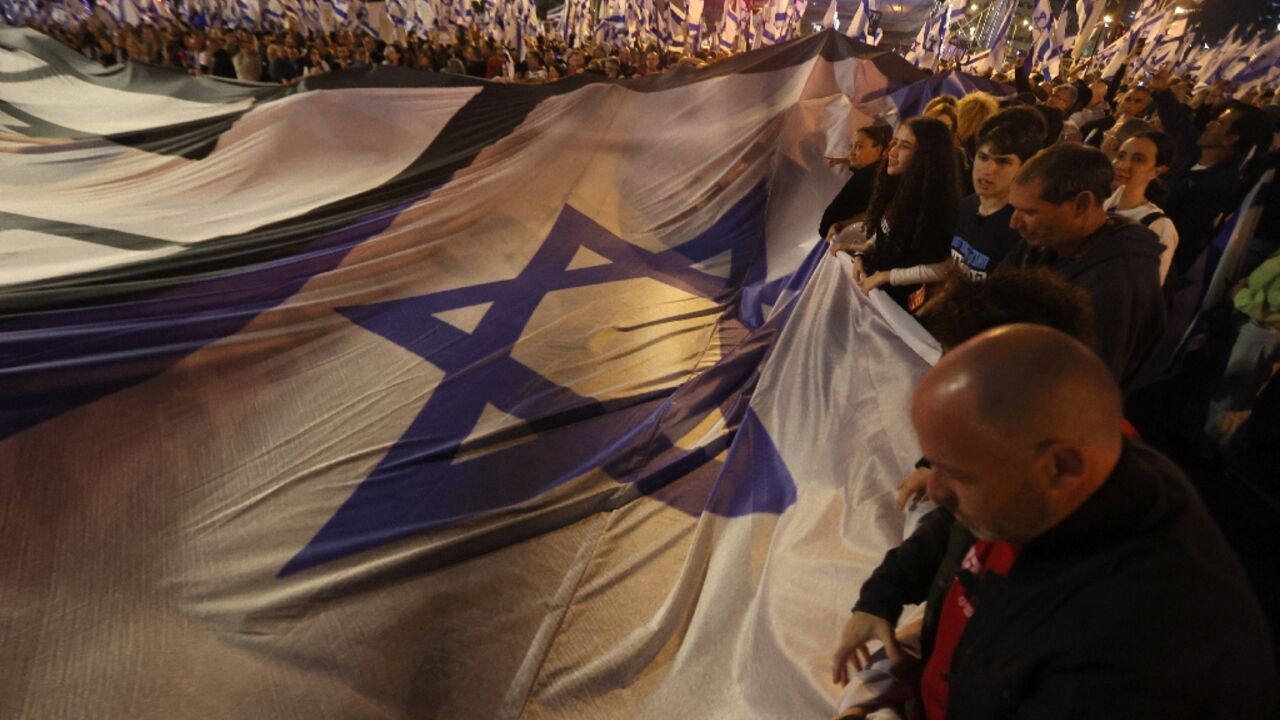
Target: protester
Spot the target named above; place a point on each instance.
(1136, 104)
(850, 204)
(1210, 164)
(248, 63)
(1113, 138)
(1074, 572)
(906, 249)
(316, 64)
(651, 65)
(279, 69)
(1140, 162)
(1095, 109)
(983, 234)
(946, 113)
(1064, 98)
(1057, 199)
(219, 62)
(972, 111)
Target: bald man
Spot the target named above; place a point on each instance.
(1077, 574)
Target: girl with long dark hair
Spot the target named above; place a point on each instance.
(912, 215)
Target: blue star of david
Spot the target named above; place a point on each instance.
(433, 478)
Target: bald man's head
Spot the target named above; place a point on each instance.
(1022, 424)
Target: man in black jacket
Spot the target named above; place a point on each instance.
(1057, 199)
(1084, 578)
(1204, 184)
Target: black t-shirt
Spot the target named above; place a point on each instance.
(981, 242)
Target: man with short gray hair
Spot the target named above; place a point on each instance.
(1057, 201)
(1064, 98)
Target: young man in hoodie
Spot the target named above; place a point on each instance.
(1057, 200)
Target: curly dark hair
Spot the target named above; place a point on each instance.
(922, 203)
(963, 308)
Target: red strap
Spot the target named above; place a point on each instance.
(957, 608)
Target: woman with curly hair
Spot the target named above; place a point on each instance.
(912, 215)
(972, 111)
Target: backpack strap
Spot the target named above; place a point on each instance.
(1151, 217)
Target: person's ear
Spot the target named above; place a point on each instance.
(1066, 465)
(1084, 200)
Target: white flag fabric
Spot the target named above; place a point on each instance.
(729, 29)
(1261, 66)
(926, 49)
(1089, 14)
(865, 25)
(1046, 48)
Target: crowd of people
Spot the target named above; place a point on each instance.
(1057, 178)
(287, 56)
(1050, 242)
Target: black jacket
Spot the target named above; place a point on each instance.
(1119, 266)
(1197, 198)
(1133, 607)
(852, 199)
(222, 65)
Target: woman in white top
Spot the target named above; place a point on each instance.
(1140, 160)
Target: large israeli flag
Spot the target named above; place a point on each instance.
(511, 397)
